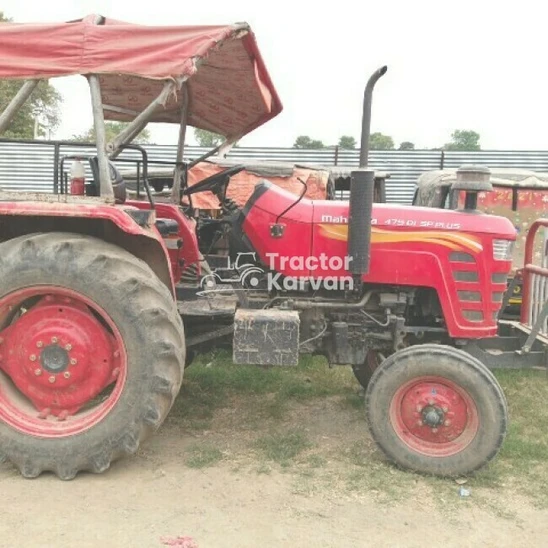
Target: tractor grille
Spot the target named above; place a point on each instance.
(479, 300)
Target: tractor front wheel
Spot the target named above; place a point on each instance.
(437, 410)
(91, 353)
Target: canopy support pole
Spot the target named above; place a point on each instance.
(100, 137)
(16, 103)
(227, 146)
(139, 122)
(176, 189)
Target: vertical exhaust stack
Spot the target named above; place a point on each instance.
(362, 187)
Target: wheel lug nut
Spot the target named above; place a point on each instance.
(54, 339)
(39, 344)
(73, 361)
(52, 379)
(419, 408)
(32, 357)
(66, 374)
(68, 347)
(430, 402)
(37, 372)
(434, 430)
(419, 423)
(447, 423)
(1, 340)
(445, 409)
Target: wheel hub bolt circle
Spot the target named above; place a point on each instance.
(54, 340)
(66, 374)
(73, 361)
(32, 357)
(37, 372)
(68, 347)
(39, 344)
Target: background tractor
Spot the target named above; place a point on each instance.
(101, 297)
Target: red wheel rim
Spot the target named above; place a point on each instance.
(434, 416)
(63, 364)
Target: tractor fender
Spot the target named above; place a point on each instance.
(128, 227)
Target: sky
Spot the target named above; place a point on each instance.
(477, 65)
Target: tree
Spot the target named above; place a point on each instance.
(207, 138)
(304, 141)
(112, 129)
(407, 145)
(378, 141)
(463, 139)
(39, 115)
(347, 141)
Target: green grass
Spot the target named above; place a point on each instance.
(202, 456)
(283, 447)
(213, 382)
(263, 409)
(523, 461)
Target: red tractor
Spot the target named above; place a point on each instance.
(101, 300)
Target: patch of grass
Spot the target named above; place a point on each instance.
(316, 461)
(263, 468)
(213, 381)
(200, 456)
(283, 447)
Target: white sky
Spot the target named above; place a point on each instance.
(451, 65)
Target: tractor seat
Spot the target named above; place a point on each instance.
(167, 227)
(118, 183)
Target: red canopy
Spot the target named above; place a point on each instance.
(230, 91)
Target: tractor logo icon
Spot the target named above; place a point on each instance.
(242, 273)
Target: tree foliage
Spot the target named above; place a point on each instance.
(347, 141)
(207, 138)
(463, 139)
(378, 141)
(112, 129)
(407, 145)
(304, 141)
(40, 114)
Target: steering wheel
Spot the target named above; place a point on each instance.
(215, 182)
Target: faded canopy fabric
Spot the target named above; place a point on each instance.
(229, 89)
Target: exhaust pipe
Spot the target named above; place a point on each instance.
(362, 188)
(366, 115)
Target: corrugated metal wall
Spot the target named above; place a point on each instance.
(30, 166)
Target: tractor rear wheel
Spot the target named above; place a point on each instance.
(91, 353)
(437, 410)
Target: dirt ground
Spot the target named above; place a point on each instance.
(154, 498)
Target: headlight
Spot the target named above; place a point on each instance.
(502, 250)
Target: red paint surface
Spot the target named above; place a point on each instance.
(409, 255)
(134, 61)
(61, 317)
(459, 410)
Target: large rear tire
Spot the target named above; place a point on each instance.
(93, 353)
(437, 410)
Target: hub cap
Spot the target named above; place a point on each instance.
(434, 416)
(62, 362)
